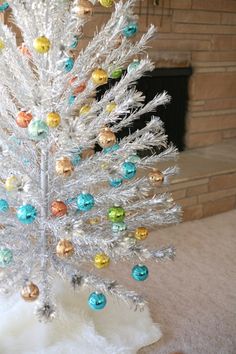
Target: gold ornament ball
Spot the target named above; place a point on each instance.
(106, 138)
(101, 260)
(65, 248)
(84, 109)
(64, 167)
(2, 45)
(53, 119)
(156, 178)
(30, 292)
(41, 44)
(110, 107)
(106, 3)
(94, 221)
(12, 183)
(99, 77)
(141, 233)
(83, 8)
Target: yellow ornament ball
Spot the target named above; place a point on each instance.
(99, 77)
(111, 107)
(141, 233)
(42, 44)
(12, 183)
(101, 260)
(106, 3)
(84, 109)
(2, 45)
(53, 119)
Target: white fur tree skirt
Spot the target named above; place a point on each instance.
(77, 330)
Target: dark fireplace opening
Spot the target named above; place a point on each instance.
(175, 82)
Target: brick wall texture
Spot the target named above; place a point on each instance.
(200, 33)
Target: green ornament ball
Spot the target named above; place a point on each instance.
(6, 257)
(116, 214)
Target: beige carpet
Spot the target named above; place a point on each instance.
(194, 298)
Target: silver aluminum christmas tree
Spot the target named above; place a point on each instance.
(63, 203)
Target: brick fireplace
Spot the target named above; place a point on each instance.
(200, 34)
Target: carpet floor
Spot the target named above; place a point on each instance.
(194, 298)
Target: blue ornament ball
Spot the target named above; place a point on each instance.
(111, 148)
(72, 99)
(119, 226)
(4, 206)
(38, 130)
(116, 182)
(129, 170)
(130, 30)
(6, 257)
(133, 66)
(69, 63)
(97, 301)
(4, 6)
(140, 272)
(26, 214)
(85, 201)
(75, 42)
(133, 158)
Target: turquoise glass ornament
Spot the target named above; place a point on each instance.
(133, 66)
(4, 206)
(72, 99)
(97, 301)
(69, 63)
(85, 201)
(130, 30)
(116, 182)
(37, 130)
(6, 257)
(112, 148)
(26, 214)
(133, 158)
(116, 74)
(75, 42)
(119, 227)
(116, 214)
(4, 6)
(129, 170)
(140, 272)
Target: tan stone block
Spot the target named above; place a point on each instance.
(214, 56)
(213, 196)
(179, 194)
(189, 16)
(203, 28)
(205, 124)
(229, 134)
(193, 212)
(183, 44)
(222, 182)
(175, 186)
(219, 206)
(224, 43)
(214, 5)
(225, 103)
(196, 190)
(180, 4)
(185, 202)
(216, 85)
(228, 5)
(228, 18)
(203, 139)
(163, 23)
